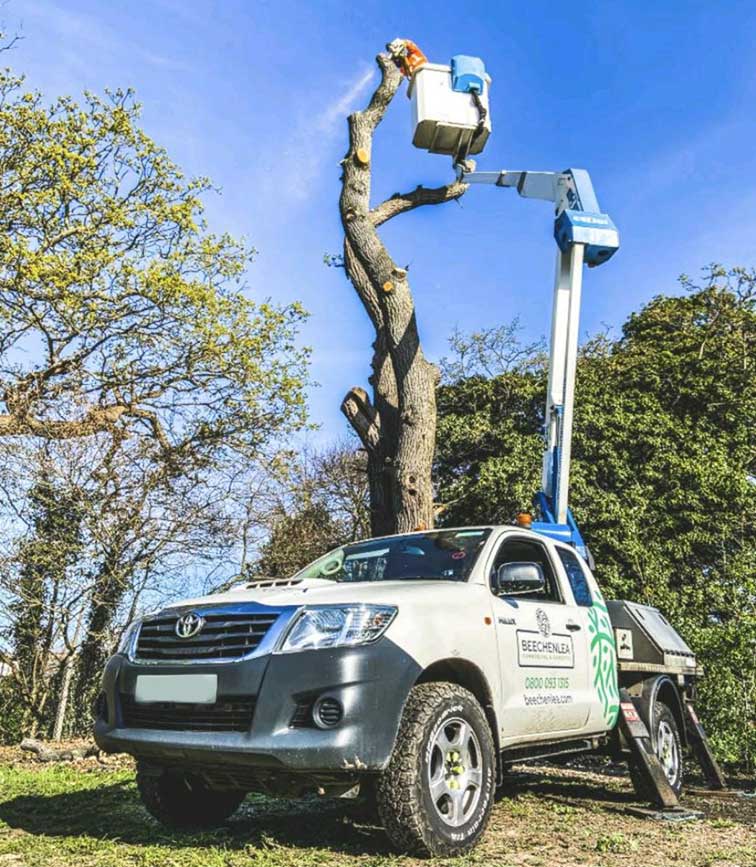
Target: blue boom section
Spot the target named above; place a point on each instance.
(568, 533)
(580, 220)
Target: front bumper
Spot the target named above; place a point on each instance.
(370, 682)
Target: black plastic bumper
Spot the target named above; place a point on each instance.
(370, 682)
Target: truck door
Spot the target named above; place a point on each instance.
(602, 667)
(543, 650)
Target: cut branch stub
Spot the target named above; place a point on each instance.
(363, 417)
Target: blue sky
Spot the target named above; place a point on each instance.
(656, 100)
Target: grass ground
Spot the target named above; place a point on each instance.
(85, 813)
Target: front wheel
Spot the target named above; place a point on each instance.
(667, 745)
(182, 801)
(436, 794)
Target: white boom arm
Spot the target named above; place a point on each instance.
(560, 397)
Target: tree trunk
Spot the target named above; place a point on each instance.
(65, 689)
(108, 590)
(398, 427)
(65, 683)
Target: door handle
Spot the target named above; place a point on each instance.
(573, 627)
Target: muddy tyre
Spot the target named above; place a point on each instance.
(667, 744)
(435, 796)
(185, 802)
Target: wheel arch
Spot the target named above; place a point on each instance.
(663, 689)
(468, 675)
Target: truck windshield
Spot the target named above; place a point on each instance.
(446, 555)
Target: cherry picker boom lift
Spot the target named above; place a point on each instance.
(584, 235)
(451, 116)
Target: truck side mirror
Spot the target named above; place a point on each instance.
(513, 579)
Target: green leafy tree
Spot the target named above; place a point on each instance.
(126, 324)
(664, 474)
(129, 309)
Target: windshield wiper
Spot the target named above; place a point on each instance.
(423, 578)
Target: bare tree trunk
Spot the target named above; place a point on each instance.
(65, 690)
(65, 683)
(398, 427)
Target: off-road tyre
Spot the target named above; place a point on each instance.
(403, 791)
(664, 726)
(184, 801)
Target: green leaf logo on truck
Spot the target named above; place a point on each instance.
(603, 658)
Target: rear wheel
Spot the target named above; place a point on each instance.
(436, 794)
(667, 745)
(184, 801)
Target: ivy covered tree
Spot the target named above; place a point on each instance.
(663, 477)
(44, 558)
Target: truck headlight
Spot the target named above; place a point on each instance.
(128, 637)
(337, 626)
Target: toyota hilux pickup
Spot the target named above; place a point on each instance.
(414, 669)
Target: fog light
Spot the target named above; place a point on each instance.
(327, 713)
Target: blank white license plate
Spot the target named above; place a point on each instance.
(189, 688)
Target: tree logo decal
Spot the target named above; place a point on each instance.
(603, 658)
(544, 627)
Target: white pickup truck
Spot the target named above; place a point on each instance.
(416, 667)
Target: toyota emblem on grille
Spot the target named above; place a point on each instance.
(189, 625)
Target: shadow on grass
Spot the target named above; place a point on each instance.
(114, 813)
(577, 789)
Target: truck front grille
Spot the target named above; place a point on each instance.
(224, 635)
(225, 715)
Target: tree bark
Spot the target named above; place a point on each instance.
(62, 708)
(398, 427)
(109, 587)
(65, 684)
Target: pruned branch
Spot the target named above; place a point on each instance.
(400, 203)
(363, 417)
(391, 78)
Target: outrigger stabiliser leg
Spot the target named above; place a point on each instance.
(699, 744)
(638, 739)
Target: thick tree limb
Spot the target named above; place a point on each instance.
(365, 289)
(46, 754)
(95, 421)
(400, 203)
